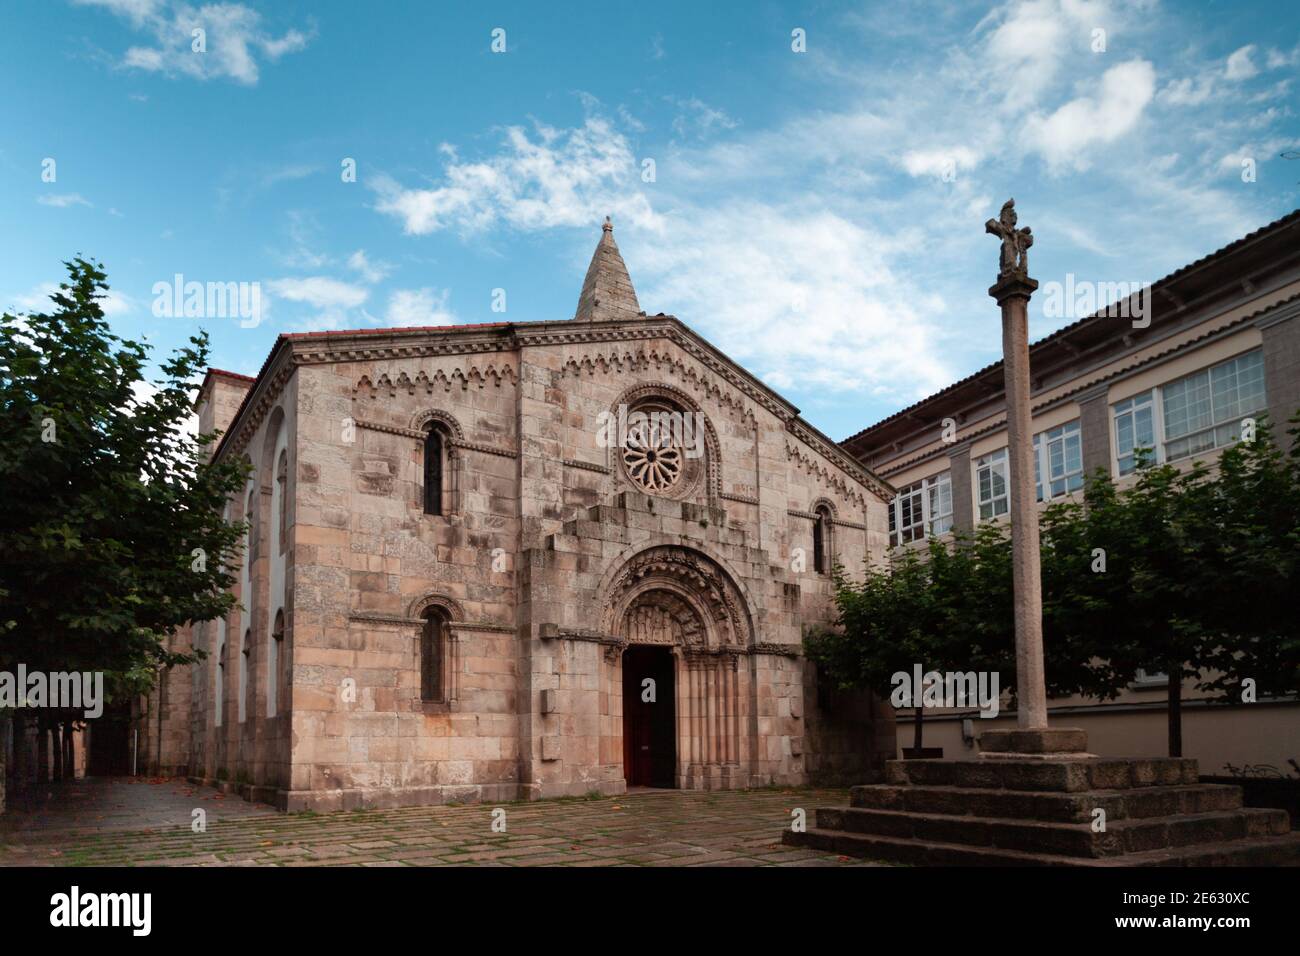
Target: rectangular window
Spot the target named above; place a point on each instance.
(1134, 429)
(939, 490)
(1058, 458)
(1204, 410)
(991, 480)
(921, 509)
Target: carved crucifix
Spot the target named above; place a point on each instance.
(1014, 260)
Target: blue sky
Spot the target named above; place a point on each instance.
(818, 215)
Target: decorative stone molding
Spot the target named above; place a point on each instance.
(450, 605)
(388, 429)
(486, 449)
(836, 481)
(587, 466)
(421, 420)
(478, 376)
(624, 362)
(844, 462)
(743, 499)
(777, 650)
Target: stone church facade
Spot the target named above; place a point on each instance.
(474, 573)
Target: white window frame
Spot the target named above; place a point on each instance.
(991, 461)
(1043, 443)
(1148, 399)
(1160, 439)
(923, 523)
(1215, 423)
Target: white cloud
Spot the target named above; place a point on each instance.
(234, 37)
(800, 295)
(371, 272)
(62, 200)
(330, 299)
(319, 291)
(1187, 92)
(1240, 66)
(937, 162)
(1065, 137)
(697, 118)
(553, 178)
(413, 307)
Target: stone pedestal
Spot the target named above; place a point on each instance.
(1051, 809)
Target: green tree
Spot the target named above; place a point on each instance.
(113, 535)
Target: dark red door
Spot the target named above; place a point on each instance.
(649, 735)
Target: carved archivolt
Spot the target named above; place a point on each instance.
(421, 419)
(674, 591)
(452, 607)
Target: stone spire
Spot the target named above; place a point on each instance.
(607, 291)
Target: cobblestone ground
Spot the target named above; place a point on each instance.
(123, 823)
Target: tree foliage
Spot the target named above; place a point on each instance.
(113, 535)
(1187, 570)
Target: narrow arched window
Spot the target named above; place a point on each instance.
(245, 673)
(821, 540)
(432, 646)
(433, 461)
(221, 683)
(250, 515)
(282, 502)
(276, 676)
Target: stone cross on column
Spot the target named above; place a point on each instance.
(1012, 291)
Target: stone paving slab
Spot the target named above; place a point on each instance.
(660, 828)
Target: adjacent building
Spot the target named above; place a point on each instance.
(1218, 342)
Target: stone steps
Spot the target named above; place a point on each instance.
(1047, 774)
(1257, 851)
(1038, 807)
(1063, 807)
(1056, 838)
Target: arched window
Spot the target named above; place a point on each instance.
(434, 455)
(245, 669)
(276, 675)
(250, 515)
(219, 696)
(282, 502)
(822, 540)
(433, 642)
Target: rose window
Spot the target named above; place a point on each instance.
(652, 456)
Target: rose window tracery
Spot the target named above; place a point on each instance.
(652, 452)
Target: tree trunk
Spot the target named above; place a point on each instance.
(20, 753)
(42, 750)
(916, 732)
(1175, 711)
(69, 770)
(4, 766)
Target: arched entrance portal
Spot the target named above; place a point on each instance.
(684, 627)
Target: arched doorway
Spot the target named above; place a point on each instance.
(649, 724)
(683, 627)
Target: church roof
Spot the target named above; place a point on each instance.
(607, 291)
